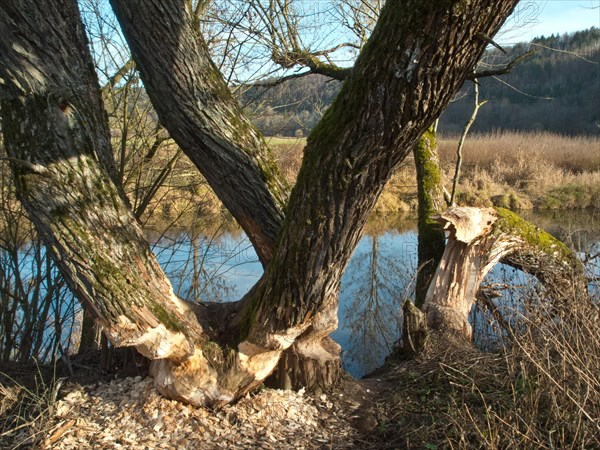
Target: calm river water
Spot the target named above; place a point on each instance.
(378, 279)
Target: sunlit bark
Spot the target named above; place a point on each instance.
(196, 106)
(56, 134)
(430, 193)
(478, 240)
(57, 139)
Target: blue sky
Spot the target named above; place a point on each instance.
(543, 17)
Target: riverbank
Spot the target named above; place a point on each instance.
(543, 392)
(518, 171)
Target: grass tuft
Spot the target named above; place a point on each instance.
(541, 392)
(26, 411)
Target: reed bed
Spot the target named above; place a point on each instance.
(514, 170)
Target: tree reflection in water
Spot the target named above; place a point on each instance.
(378, 279)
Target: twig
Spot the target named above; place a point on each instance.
(36, 168)
(59, 432)
(461, 142)
(503, 70)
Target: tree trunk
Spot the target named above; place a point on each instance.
(195, 105)
(207, 123)
(57, 139)
(430, 193)
(352, 152)
(480, 238)
(89, 334)
(385, 104)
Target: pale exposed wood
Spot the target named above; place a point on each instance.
(52, 116)
(480, 238)
(467, 224)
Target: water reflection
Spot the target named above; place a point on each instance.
(378, 279)
(222, 266)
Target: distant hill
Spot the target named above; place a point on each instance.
(556, 89)
(291, 107)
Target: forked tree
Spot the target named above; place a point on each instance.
(57, 138)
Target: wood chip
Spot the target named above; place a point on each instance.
(130, 414)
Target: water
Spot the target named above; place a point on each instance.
(378, 279)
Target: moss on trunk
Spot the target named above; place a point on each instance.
(430, 194)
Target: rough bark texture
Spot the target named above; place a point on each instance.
(56, 135)
(431, 200)
(195, 105)
(387, 102)
(312, 363)
(418, 56)
(478, 240)
(415, 332)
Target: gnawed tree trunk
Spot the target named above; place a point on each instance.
(209, 126)
(479, 239)
(375, 120)
(57, 140)
(385, 104)
(57, 137)
(313, 362)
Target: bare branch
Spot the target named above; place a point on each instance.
(36, 168)
(521, 92)
(503, 70)
(577, 55)
(461, 142)
(118, 76)
(199, 11)
(491, 41)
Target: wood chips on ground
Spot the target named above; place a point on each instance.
(130, 413)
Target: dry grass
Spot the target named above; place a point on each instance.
(26, 407)
(276, 141)
(548, 395)
(288, 154)
(572, 154)
(511, 169)
(542, 392)
(523, 171)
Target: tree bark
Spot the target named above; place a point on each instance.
(195, 105)
(430, 194)
(383, 107)
(385, 104)
(478, 240)
(57, 137)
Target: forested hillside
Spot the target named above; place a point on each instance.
(556, 89)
